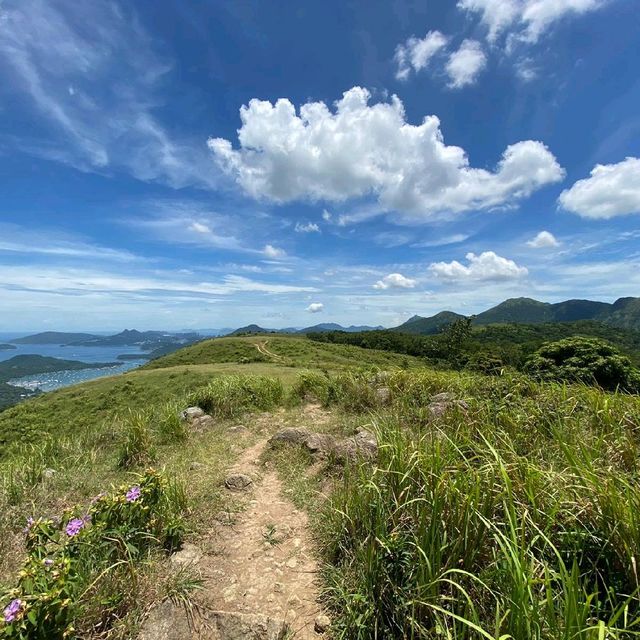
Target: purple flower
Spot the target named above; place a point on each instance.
(47, 562)
(30, 523)
(133, 494)
(12, 610)
(74, 526)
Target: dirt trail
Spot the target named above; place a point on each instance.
(262, 348)
(265, 563)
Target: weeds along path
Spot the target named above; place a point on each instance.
(262, 348)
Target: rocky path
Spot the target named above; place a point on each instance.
(260, 581)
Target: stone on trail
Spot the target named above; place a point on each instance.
(188, 556)
(322, 624)
(238, 482)
(171, 622)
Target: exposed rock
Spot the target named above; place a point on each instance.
(362, 445)
(171, 622)
(189, 555)
(322, 624)
(290, 436)
(441, 403)
(191, 413)
(238, 482)
(323, 445)
(203, 423)
(383, 395)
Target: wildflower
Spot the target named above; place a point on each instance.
(47, 562)
(30, 523)
(12, 610)
(74, 527)
(133, 494)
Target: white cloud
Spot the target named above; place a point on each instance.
(326, 216)
(308, 227)
(544, 240)
(395, 281)
(465, 64)
(416, 53)
(487, 266)
(365, 150)
(612, 190)
(527, 20)
(199, 227)
(273, 252)
(315, 307)
(440, 242)
(92, 75)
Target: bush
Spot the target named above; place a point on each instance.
(587, 360)
(230, 396)
(81, 567)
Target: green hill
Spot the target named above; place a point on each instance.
(418, 325)
(55, 337)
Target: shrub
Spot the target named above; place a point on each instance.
(83, 564)
(171, 428)
(587, 360)
(230, 396)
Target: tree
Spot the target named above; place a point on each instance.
(588, 360)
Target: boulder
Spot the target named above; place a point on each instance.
(441, 403)
(383, 395)
(290, 436)
(191, 413)
(203, 423)
(238, 482)
(361, 446)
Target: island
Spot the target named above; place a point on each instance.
(7, 347)
(27, 365)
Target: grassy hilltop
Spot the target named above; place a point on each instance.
(511, 513)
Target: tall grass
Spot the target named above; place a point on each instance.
(519, 519)
(230, 396)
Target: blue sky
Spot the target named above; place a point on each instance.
(176, 164)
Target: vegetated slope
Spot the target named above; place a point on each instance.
(55, 337)
(418, 325)
(296, 352)
(624, 313)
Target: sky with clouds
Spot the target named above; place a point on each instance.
(182, 165)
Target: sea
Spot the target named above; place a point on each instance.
(58, 379)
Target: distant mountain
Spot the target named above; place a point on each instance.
(146, 340)
(251, 328)
(27, 365)
(623, 313)
(55, 337)
(418, 325)
(332, 326)
(7, 347)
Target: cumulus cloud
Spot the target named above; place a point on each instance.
(273, 252)
(544, 240)
(465, 64)
(487, 266)
(612, 190)
(525, 19)
(416, 53)
(395, 281)
(315, 307)
(364, 150)
(307, 227)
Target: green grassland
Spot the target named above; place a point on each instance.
(517, 517)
